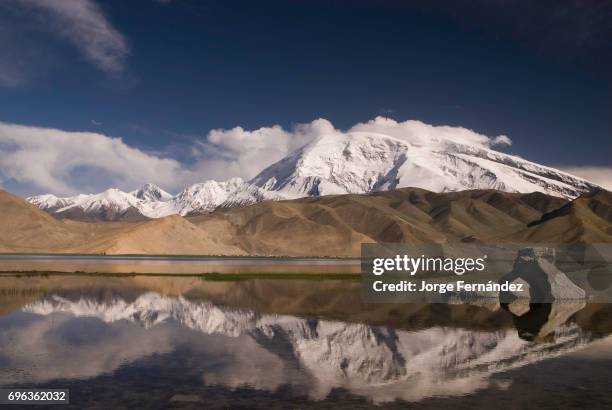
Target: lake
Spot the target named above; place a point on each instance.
(175, 265)
(197, 342)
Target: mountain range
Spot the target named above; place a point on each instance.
(326, 199)
(331, 225)
(333, 164)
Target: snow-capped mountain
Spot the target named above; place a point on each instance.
(379, 362)
(335, 163)
(152, 193)
(112, 204)
(210, 195)
(361, 162)
(151, 201)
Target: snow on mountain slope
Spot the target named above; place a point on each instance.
(361, 162)
(358, 161)
(49, 202)
(111, 204)
(152, 202)
(151, 192)
(201, 198)
(208, 196)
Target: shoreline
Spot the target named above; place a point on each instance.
(9, 255)
(205, 276)
(174, 266)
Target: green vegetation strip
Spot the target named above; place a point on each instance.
(186, 257)
(301, 276)
(203, 276)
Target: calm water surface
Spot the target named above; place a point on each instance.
(186, 342)
(174, 264)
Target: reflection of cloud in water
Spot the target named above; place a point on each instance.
(57, 346)
(238, 347)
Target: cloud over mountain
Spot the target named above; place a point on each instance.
(246, 152)
(52, 159)
(601, 175)
(63, 162)
(417, 132)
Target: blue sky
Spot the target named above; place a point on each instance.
(161, 75)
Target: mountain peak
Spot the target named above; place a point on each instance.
(363, 161)
(152, 192)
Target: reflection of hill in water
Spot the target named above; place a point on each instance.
(375, 361)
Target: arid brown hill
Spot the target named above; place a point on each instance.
(323, 226)
(588, 218)
(27, 229)
(337, 225)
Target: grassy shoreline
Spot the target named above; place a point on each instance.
(193, 257)
(203, 276)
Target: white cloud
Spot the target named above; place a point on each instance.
(62, 162)
(502, 140)
(417, 132)
(83, 23)
(51, 159)
(600, 175)
(244, 153)
(239, 152)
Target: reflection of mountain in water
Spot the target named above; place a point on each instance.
(378, 362)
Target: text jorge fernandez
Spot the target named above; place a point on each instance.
(413, 265)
